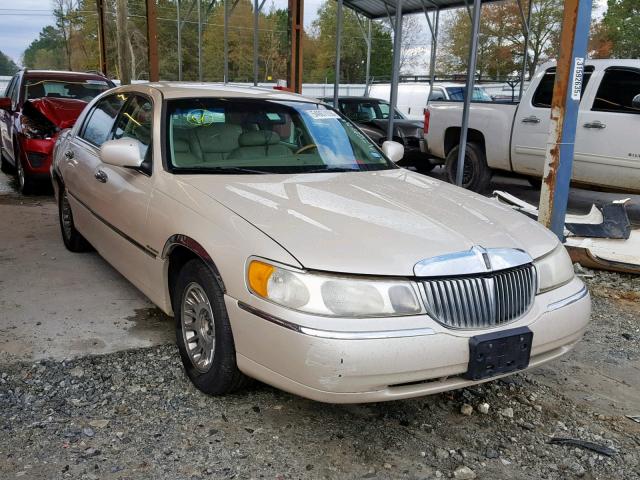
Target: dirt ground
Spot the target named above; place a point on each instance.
(133, 414)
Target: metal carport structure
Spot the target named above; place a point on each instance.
(564, 108)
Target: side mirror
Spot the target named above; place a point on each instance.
(5, 104)
(123, 152)
(635, 103)
(393, 150)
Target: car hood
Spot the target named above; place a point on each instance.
(377, 223)
(62, 112)
(403, 127)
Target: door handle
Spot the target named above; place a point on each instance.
(531, 119)
(597, 124)
(69, 154)
(101, 176)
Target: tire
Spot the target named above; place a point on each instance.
(26, 184)
(73, 240)
(198, 302)
(477, 175)
(5, 166)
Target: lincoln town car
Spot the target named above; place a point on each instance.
(293, 250)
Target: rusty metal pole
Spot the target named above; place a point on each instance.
(567, 91)
(296, 21)
(152, 41)
(101, 42)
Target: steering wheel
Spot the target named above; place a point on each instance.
(306, 147)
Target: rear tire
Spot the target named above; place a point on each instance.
(73, 240)
(203, 331)
(477, 175)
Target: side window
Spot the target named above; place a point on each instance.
(135, 122)
(99, 123)
(616, 91)
(544, 93)
(15, 92)
(436, 95)
(9, 89)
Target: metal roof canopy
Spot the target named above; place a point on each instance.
(376, 9)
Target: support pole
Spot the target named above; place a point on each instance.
(296, 25)
(434, 49)
(152, 41)
(395, 69)
(225, 41)
(368, 66)
(336, 81)
(471, 77)
(101, 41)
(567, 89)
(525, 53)
(179, 40)
(199, 41)
(124, 58)
(256, 14)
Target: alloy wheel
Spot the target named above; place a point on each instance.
(21, 179)
(198, 327)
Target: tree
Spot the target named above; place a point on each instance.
(501, 40)
(45, 51)
(7, 66)
(622, 25)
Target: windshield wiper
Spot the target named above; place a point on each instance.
(332, 170)
(223, 170)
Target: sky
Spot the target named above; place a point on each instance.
(22, 20)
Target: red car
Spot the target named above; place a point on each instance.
(37, 105)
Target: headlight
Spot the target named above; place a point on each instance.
(554, 269)
(333, 295)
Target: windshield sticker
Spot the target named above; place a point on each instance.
(275, 117)
(97, 82)
(322, 114)
(203, 117)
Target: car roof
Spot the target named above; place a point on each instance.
(60, 74)
(353, 97)
(172, 90)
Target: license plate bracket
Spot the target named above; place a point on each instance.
(497, 353)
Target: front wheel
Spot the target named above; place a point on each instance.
(476, 175)
(203, 331)
(73, 240)
(26, 183)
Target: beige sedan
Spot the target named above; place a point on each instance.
(291, 249)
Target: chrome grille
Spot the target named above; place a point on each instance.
(481, 301)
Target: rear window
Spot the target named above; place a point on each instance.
(617, 90)
(83, 89)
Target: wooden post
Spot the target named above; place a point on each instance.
(152, 41)
(102, 48)
(296, 22)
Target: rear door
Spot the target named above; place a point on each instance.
(607, 143)
(5, 122)
(531, 124)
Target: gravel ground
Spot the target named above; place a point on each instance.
(134, 415)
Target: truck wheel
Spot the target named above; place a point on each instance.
(477, 174)
(73, 240)
(203, 331)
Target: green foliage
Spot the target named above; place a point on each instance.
(46, 51)
(7, 66)
(622, 25)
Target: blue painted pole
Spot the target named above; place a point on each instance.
(558, 169)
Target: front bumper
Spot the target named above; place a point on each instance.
(36, 155)
(333, 360)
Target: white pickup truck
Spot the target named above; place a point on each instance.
(512, 137)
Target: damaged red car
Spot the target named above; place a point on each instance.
(36, 106)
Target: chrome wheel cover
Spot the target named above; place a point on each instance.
(198, 327)
(66, 219)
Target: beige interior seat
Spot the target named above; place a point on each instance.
(214, 143)
(262, 143)
(182, 154)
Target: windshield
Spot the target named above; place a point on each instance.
(84, 90)
(367, 110)
(479, 94)
(207, 135)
